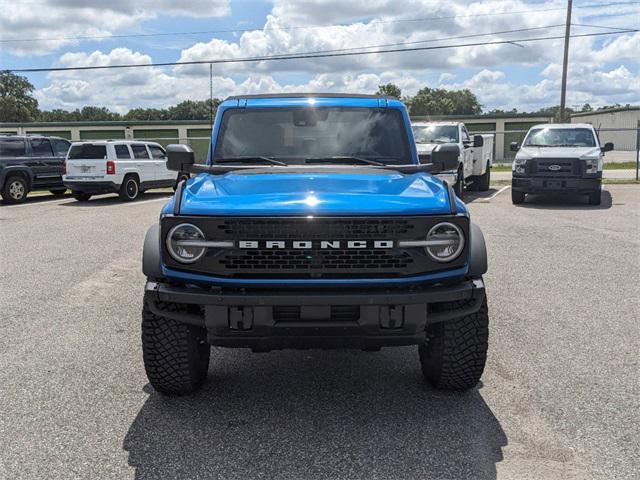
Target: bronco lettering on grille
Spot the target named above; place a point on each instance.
(314, 244)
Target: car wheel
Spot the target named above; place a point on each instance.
(81, 197)
(458, 187)
(517, 197)
(130, 189)
(455, 352)
(58, 191)
(482, 182)
(15, 190)
(595, 198)
(176, 355)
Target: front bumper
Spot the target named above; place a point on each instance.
(92, 187)
(556, 184)
(254, 319)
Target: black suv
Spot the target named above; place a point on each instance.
(31, 162)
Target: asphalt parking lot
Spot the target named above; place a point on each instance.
(559, 398)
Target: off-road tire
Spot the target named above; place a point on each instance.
(80, 196)
(517, 197)
(15, 190)
(483, 181)
(58, 191)
(130, 188)
(176, 355)
(455, 353)
(594, 198)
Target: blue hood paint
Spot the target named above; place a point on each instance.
(362, 191)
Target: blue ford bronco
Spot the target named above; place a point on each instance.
(313, 225)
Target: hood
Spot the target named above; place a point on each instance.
(558, 152)
(426, 147)
(329, 191)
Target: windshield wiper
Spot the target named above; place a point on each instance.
(344, 159)
(249, 160)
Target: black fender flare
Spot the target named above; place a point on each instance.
(477, 252)
(151, 253)
(8, 170)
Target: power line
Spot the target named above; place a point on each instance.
(308, 55)
(304, 27)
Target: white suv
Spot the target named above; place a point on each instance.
(125, 167)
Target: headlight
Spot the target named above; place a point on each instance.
(445, 241)
(591, 165)
(184, 243)
(519, 165)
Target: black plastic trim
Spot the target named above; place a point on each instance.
(452, 199)
(151, 253)
(477, 252)
(178, 198)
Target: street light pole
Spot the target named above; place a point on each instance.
(565, 62)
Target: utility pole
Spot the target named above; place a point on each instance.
(211, 95)
(565, 63)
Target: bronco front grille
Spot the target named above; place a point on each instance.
(314, 261)
(316, 228)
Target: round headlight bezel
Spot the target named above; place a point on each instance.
(459, 249)
(173, 253)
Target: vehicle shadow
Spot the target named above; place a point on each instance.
(471, 196)
(566, 202)
(45, 197)
(114, 199)
(315, 414)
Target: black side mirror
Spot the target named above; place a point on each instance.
(514, 146)
(444, 158)
(180, 158)
(478, 141)
(607, 147)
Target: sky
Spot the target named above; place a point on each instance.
(603, 70)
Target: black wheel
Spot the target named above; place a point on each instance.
(458, 187)
(58, 191)
(130, 189)
(517, 197)
(482, 182)
(15, 190)
(176, 355)
(81, 196)
(595, 198)
(455, 353)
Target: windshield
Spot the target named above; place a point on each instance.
(293, 135)
(560, 137)
(435, 134)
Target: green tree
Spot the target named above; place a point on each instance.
(193, 109)
(16, 101)
(390, 90)
(439, 101)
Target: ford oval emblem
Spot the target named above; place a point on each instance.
(554, 168)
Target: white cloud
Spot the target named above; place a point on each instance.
(600, 72)
(57, 20)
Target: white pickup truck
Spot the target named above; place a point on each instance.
(475, 158)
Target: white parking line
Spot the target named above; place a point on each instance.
(499, 192)
(488, 199)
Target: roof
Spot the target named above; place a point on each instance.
(423, 123)
(564, 125)
(606, 110)
(115, 140)
(30, 135)
(308, 95)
